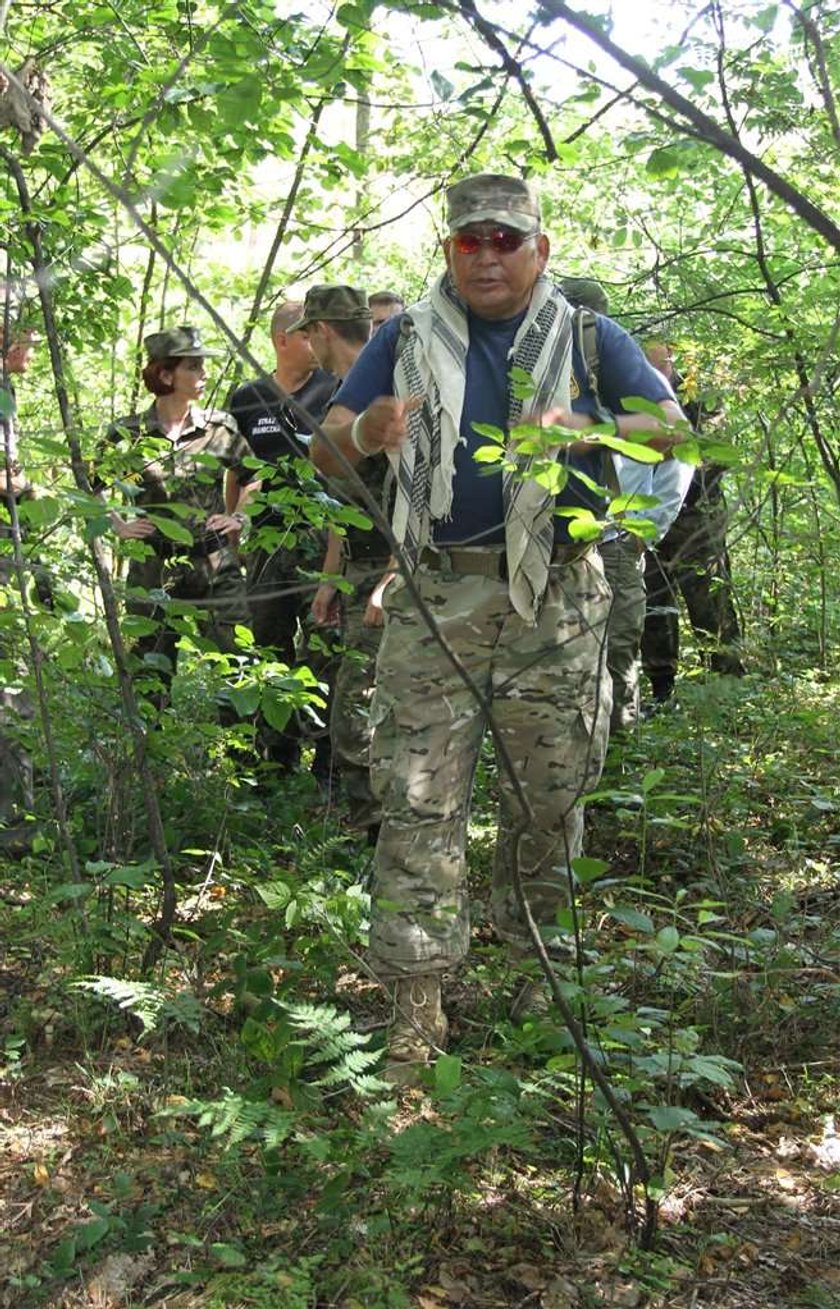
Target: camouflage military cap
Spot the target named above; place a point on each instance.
(493, 198)
(585, 291)
(332, 304)
(177, 343)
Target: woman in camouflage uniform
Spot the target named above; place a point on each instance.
(181, 462)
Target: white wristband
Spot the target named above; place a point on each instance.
(356, 436)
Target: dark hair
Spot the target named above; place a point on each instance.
(355, 331)
(152, 378)
(385, 298)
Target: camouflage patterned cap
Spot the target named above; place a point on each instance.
(585, 291)
(493, 198)
(177, 343)
(332, 304)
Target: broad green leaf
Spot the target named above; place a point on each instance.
(276, 707)
(671, 1117)
(443, 87)
(488, 454)
(697, 78)
(639, 404)
(632, 501)
(633, 918)
(668, 939)
(229, 1255)
(134, 877)
(69, 891)
(172, 530)
(586, 869)
(652, 779)
(663, 163)
(245, 699)
(494, 434)
(274, 894)
(643, 454)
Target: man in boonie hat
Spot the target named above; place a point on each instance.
(520, 599)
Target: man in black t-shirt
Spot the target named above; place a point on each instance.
(278, 598)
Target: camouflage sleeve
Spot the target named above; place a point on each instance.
(234, 446)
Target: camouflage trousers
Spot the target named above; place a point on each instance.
(692, 559)
(350, 727)
(215, 581)
(549, 695)
(624, 570)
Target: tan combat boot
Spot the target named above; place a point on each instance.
(419, 1024)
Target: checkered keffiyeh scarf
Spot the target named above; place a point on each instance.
(432, 364)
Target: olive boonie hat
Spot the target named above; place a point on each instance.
(492, 197)
(585, 291)
(332, 304)
(177, 343)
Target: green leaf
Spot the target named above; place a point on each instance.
(135, 877)
(643, 454)
(633, 918)
(274, 894)
(240, 103)
(632, 501)
(69, 891)
(442, 85)
(87, 1235)
(668, 939)
(245, 699)
(488, 454)
(276, 707)
(585, 528)
(172, 530)
(663, 163)
(494, 434)
(229, 1255)
(671, 1117)
(652, 779)
(447, 1074)
(697, 78)
(587, 869)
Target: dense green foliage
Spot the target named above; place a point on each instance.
(200, 163)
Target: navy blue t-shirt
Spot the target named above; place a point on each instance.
(477, 510)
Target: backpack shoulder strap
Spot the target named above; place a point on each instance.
(406, 328)
(585, 337)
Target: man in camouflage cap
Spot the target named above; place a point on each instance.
(521, 603)
(337, 321)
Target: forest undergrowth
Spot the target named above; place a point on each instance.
(215, 1135)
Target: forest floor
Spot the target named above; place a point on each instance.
(496, 1184)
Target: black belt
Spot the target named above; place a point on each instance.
(491, 563)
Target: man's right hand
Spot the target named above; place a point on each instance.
(384, 424)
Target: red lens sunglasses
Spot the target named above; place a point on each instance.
(502, 242)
